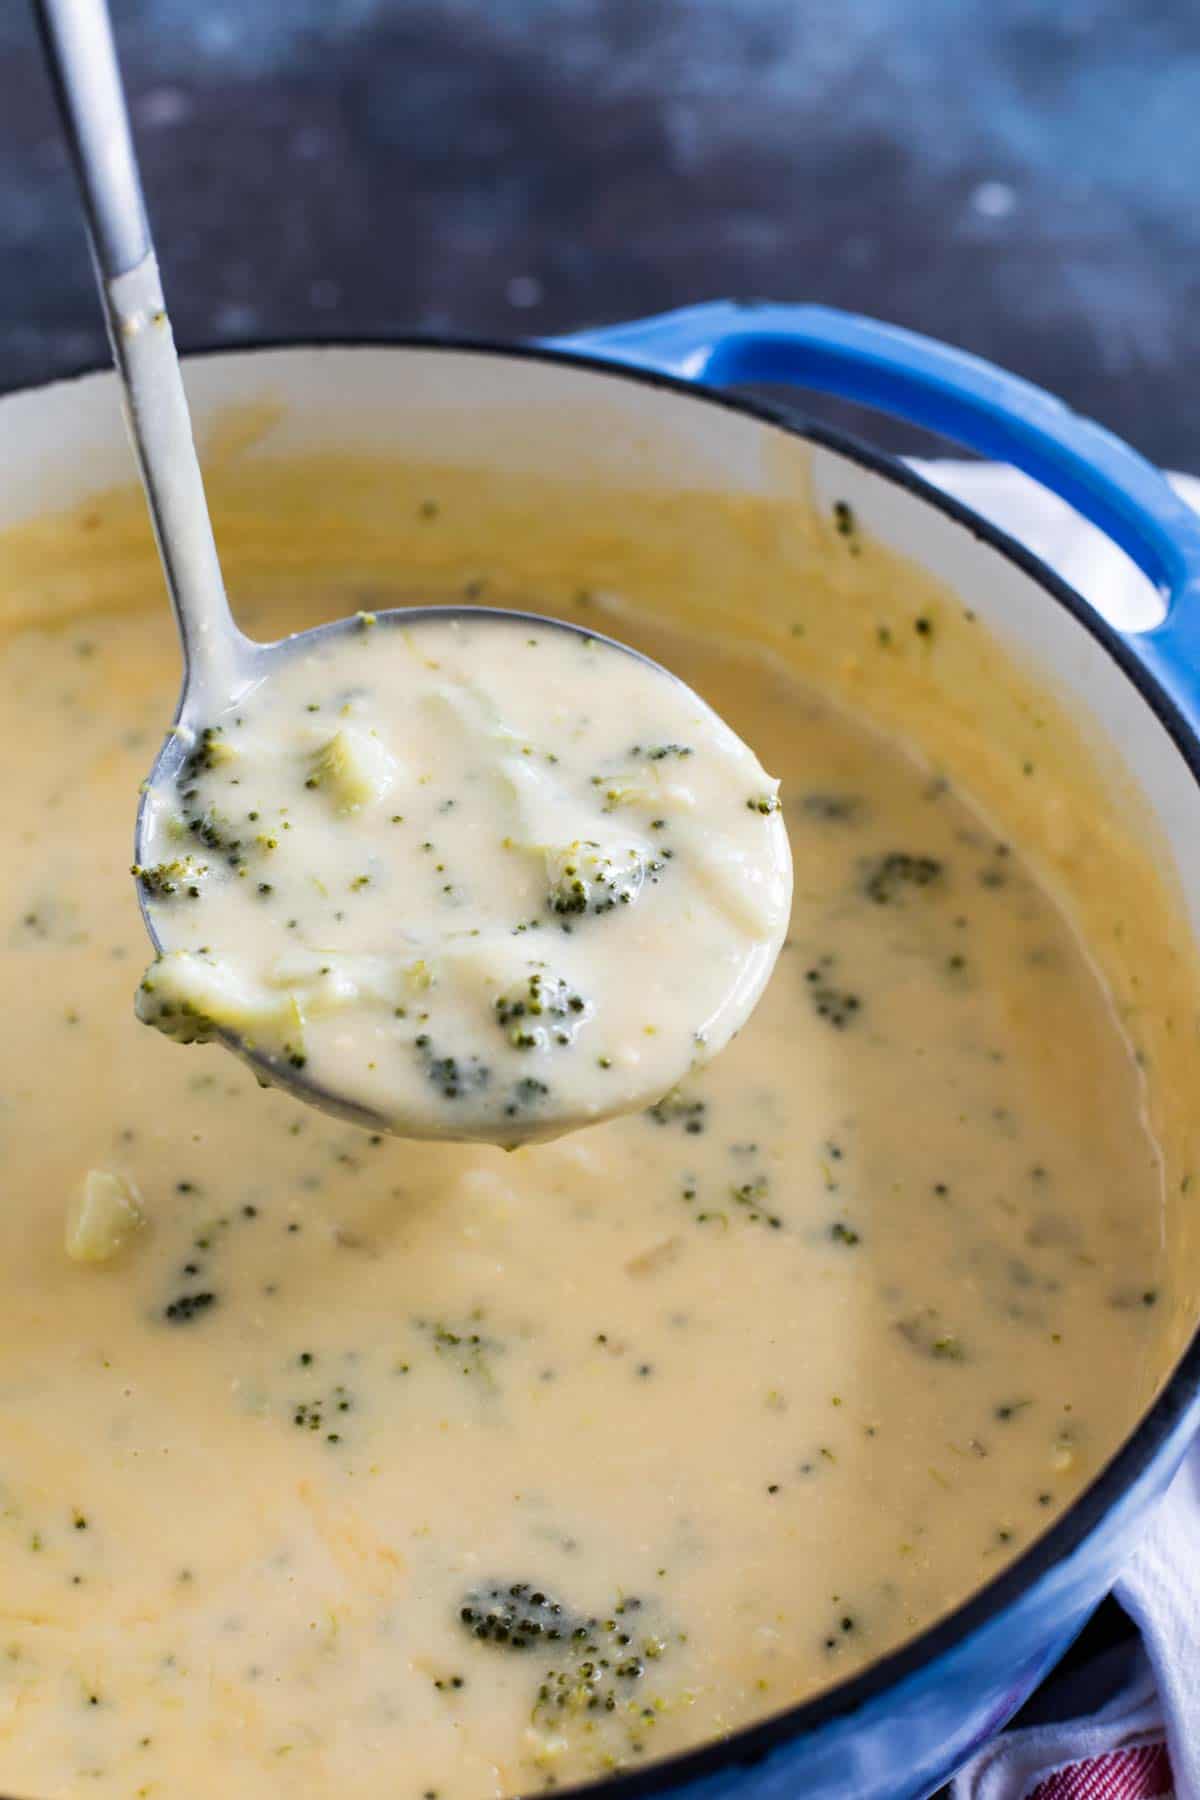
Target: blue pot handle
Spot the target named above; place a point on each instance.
(962, 397)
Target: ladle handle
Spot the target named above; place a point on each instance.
(78, 40)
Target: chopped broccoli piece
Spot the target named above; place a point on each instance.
(186, 1307)
(517, 1616)
(678, 1108)
(210, 752)
(213, 830)
(452, 1076)
(190, 997)
(541, 1012)
(525, 1096)
(588, 877)
(596, 1663)
(838, 1005)
(660, 752)
(462, 1345)
(845, 523)
(166, 880)
(886, 878)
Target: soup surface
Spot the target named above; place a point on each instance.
(369, 1466)
(478, 879)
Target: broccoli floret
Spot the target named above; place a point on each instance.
(678, 1108)
(595, 1664)
(463, 1346)
(660, 752)
(186, 1307)
(518, 1616)
(452, 1076)
(886, 878)
(467, 1077)
(325, 1413)
(210, 752)
(587, 877)
(752, 1197)
(541, 1012)
(526, 1095)
(166, 880)
(838, 1005)
(213, 831)
(191, 997)
(176, 1018)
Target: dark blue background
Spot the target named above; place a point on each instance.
(1019, 176)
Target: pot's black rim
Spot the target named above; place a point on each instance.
(754, 1742)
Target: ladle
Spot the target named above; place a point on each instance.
(221, 664)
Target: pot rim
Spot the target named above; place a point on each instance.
(752, 1743)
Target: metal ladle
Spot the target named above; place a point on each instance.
(220, 662)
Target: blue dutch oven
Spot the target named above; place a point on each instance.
(649, 400)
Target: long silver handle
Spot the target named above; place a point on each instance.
(78, 40)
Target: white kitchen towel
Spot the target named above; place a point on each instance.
(1116, 1753)
(1160, 1590)
(1143, 1741)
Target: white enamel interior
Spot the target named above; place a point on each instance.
(67, 441)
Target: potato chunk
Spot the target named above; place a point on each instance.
(102, 1217)
(354, 768)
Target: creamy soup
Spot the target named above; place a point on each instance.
(477, 878)
(340, 1465)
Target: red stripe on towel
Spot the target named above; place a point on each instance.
(1143, 1773)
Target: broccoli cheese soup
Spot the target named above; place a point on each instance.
(481, 878)
(336, 1465)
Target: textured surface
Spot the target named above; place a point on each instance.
(1016, 177)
